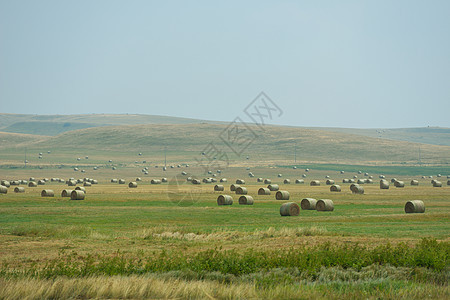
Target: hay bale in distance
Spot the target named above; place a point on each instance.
(133, 184)
(308, 204)
(240, 181)
(47, 193)
(32, 184)
(267, 181)
(121, 181)
(3, 189)
(357, 189)
(233, 187)
(282, 195)
(80, 188)
(223, 180)
(224, 200)
(41, 182)
(66, 193)
(114, 180)
(241, 190)
(287, 181)
(289, 209)
(263, 191)
(155, 181)
(314, 183)
(399, 184)
(259, 179)
(19, 189)
(246, 200)
(77, 195)
(273, 187)
(325, 205)
(384, 184)
(414, 182)
(329, 182)
(299, 181)
(414, 206)
(335, 188)
(87, 184)
(218, 187)
(437, 184)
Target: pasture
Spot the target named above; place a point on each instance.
(172, 239)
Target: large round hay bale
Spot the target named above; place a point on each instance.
(32, 184)
(361, 181)
(289, 209)
(218, 187)
(282, 195)
(132, 184)
(369, 180)
(77, 195)
(224, 200)
(399, 184)
(351, 180)
(414, 206)
(448, 182)
(223, 180)
(263, 191)
(357, 189)
(246, 200)
(273, 187)
(114, 180)
(329, 182)
(138, 179)
(66, 193)
(240, 181)
(384, 184)
(414, 182)
(94, 181)
(47, 193)
(41, 182)
(207, 180)
(308, 204)
(335, 188)
(241, 190)
(437, 184)
(157, 181)
(71, 182)
(80, 188)
(314, 183)
(121, 181)
(259, 179)
(393, 180)
(345, 180)
(87, 184)
(15, 182)
(299, 181)
(304, 175)
(196, 181)
(5, 183)
(325, 205)
(19, 189)
(32, 179)
(3, 189)
(164, 179)
(233, 187)
(280, 175)
(267, 181)
(287, 181)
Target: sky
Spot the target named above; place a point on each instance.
(361, 64)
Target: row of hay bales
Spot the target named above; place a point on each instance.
(77, 194)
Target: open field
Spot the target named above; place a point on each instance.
(165, 241)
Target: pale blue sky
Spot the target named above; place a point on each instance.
(325, 63)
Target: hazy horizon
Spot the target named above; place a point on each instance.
(349, 64)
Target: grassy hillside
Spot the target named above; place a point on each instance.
(272, 145)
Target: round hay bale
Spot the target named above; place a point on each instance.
(273, 187)
(240, 181)
(219, 188)
(196, 181)
(47, 193)
(121, 181)
(325, 205)
(393, 180)
(351, 180)
(114, 180)
(233, 187)
(132, 184)
(299, 181)
(287, 181)
(32, 184)
(335, 188)
(327, 176)
(282, 195)
(250, 174)
(399, 184)
(437, 184)
(361, 181)
(304, 175)
(329, 182)
(189, 178)
(345, 180)
(19, 189)
(263, 191)
(246, 200)
(224, 200)
(155, 181)
(77, 195)
(241, 190)
(414, 206)
(66, 193)
(369, 181)
(448, 182)
(61, 180)
(15, 182)
(32, 179)
(308, 204)
(384, 184)
(314, 183)
(164, 179)
(138, 179)
(280, 175)
(289, 209)
(3, 189)
(414, 182)
(41, 182)
(207, 180)
(259, 179)
(342, 172)
(356, 189)
(87, 184)
(94, 181)
(71, 182)
(223, 180)
(80, 188)
(267, 181)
